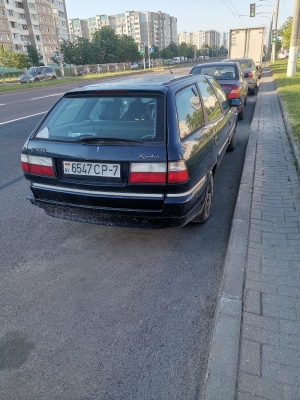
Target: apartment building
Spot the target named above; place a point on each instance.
(159, 29)
(185, 37)
(41, 23)
(212, 38)
(224, 39)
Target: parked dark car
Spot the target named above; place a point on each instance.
(140, 153)
(230, 77)
(252, 72)
(37, 74)
(147, 64)
(83, 71)
(96, 70)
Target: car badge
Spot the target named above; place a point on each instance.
(145, 156)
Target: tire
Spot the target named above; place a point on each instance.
(207, 205)
(245, 101)
(253, 91)
(36, 80)
(53, 77)
(241, 114)
(232, 142)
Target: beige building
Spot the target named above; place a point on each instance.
(159, 29)
(41, 23)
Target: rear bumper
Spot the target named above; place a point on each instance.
(175, 212)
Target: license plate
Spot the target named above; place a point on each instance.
(92, 169)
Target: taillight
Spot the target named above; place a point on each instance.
(148, 173)
(235, 92)
(177, 172)
(37, 165)
(158, 172)
(250, 75)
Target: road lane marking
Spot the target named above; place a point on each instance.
(18, 119)
(11, 182)
(50, 95)
(2, 104)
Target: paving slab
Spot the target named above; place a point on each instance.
(255, 344)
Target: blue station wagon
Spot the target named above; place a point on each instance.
(139, 152)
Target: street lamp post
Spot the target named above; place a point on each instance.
(275, 19)
(61, 65)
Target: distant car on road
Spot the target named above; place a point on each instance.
(252, 72)
(96, 70)
(141, 152)
(134, 65)
(283, 54)
(147, 64)
(83, 71)
(231, 78)
(37, 74)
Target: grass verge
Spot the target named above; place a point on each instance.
(289, 89)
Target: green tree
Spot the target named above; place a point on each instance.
(166, 53)
(21, 61)
(173, 49)
(85, 52)
(285, 31)
(34, 56)
(6, 58)
(106, 45)
(128, 49)
(182, 48)
(68, 50)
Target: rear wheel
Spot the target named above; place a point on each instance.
(36, 80)
(232, 142)
(253, 91)
(206, 209)
(53, 77)
(245, 100)
(241, 114)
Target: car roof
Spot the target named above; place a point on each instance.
(239, 58)
(154, 83)
(215, 63)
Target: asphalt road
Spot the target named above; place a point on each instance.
(96, 312)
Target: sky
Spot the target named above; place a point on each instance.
(192, 15)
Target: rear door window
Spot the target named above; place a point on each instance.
(220, 94)
(116, 117)
(189, 111)
(210, 100)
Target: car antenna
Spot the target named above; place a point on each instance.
(170, 69)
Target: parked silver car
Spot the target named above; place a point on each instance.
(251, 71)
(37, 74)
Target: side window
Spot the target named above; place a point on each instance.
(220, 94)
(189, 111)
(210, 100)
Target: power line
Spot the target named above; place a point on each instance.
(231, 12)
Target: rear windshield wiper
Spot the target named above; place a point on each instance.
(95, 139)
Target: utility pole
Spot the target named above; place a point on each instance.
(275, 19)
(293, 53)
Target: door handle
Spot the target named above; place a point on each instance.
(216, 139)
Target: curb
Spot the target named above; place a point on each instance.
(288, 129)
(221, 373)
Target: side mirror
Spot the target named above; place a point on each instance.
(246, 75)
(236, 102)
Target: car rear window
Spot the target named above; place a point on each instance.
(217, 71)
(139, 118)
(245, 64)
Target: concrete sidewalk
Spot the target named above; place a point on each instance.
(255, 344)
